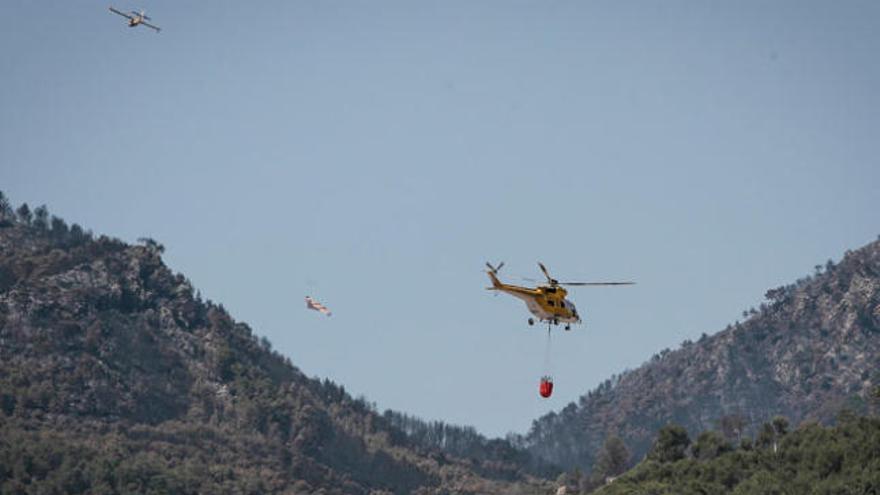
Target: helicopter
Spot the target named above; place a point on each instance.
(135, 18)
(547, 301)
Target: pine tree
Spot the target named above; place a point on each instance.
(24, 214)
(671, 445)
(612, 460)
(6, 213)
(710, 444)
(59, 229)
(41, 217)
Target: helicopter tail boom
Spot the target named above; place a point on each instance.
(492, 271)
(496, 284)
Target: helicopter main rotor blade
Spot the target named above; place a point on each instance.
(546, 273)
(580, 284)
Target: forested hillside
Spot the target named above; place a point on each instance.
(116, 377)
(810, 350)
(812, 459)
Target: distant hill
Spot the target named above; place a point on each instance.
(115, 377)
(810, 350)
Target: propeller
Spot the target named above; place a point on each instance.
(553, 282)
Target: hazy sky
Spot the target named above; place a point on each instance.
(375, 154)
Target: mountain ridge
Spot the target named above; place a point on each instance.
(114, 373)
(116, 377)
(805, 354)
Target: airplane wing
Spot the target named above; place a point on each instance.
(123, 14)
(157, 28)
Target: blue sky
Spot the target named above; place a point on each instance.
(375, 154)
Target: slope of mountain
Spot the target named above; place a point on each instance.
(844, 459)
(115, 377)
(812, 349)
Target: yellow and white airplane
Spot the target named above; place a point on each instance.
(547, 302)
(136, 18)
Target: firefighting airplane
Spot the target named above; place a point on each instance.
(135, 18)
(547, 302)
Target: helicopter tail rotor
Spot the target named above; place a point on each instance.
(494, 269)
(492, 272)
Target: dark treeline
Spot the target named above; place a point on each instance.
(51, 226)
(811, 459)
(458, 441)
(466, 442)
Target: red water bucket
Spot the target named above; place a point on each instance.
(546, 387)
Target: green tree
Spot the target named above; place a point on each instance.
(766, 437)
(613, 458)
(780, 425)
(771, 433)
(732, 426)
(845, 416)
(24, 214)
(761, 483)
(41, 217)
(77, 236)
(152, 244)
(59, 229)
(710, 444)
(671, 445)
(6, 212)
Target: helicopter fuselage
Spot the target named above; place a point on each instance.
(547, 303)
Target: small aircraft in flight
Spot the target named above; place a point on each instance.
(546, 301)
(135, 18)
(312, 304)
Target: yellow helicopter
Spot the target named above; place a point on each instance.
(548, 301)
